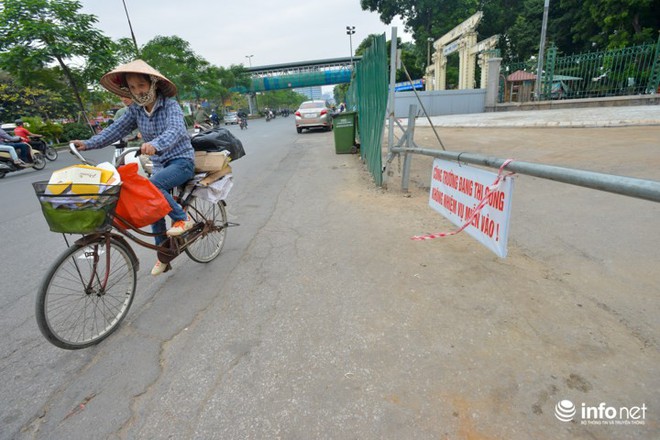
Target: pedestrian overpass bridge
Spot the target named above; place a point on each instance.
(300, 74)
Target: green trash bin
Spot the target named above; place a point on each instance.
(344, 128)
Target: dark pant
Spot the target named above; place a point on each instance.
(22, 149)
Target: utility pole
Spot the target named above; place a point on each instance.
(539, 69)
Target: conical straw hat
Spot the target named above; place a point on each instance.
(115, 80)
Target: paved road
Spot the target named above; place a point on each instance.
(321, 319)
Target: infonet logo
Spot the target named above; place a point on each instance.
(602, 414)
(565, 410)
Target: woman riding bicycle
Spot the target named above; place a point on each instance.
(161, 124)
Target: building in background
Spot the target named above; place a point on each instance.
(313, 92)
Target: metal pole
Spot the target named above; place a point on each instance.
(250, 97)
(539, 69)
(390, 110)
(407, 157)
(130, 26)
(350, 30)
(627, 186)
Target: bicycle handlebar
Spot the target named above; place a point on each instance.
(73, 150)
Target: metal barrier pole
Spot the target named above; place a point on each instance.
(627, 186)
(391, 109)
(407, 157)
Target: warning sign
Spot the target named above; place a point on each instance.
(456, 192)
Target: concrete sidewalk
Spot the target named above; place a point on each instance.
(570, 118)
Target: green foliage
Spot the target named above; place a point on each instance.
(196, 78)
(573, 25)
(50, 130)
(34, 124)
(74, 130)
(34, 33)
(37, 33)
(53, 131)
(277, 99)
(339, 92)
(31, 100)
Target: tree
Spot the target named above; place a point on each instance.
(573, 25)
(174, 58)
(614, 24)
(17, 101)
(424, 18)
(36, 33)
(195, 77)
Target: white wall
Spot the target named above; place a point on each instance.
(441, 102)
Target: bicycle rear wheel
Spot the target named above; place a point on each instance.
(85, 295)
(208, 246)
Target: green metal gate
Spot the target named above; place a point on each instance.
(631, 70)
(367, 95)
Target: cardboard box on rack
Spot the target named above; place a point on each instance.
(215, 175)
(210, 161)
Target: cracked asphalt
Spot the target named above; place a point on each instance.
(322, 319)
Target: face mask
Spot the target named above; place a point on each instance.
(148, 97)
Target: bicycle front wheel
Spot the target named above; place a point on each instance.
(51, 153)
(86, 294)
(209, 245)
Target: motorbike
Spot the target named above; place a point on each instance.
(199, 127)
(46, 149)
(243, 123)
(7, 165)
(269, 115)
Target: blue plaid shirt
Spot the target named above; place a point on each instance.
(164, 129)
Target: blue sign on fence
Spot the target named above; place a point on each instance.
(403, 86)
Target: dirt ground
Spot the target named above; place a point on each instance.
(571, 313)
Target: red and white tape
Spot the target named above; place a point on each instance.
(489, 189)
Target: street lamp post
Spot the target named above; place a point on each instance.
(428, 51)
(251, 110)
(350, 30)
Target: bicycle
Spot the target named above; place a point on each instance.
(89, 289)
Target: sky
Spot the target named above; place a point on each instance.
(225, 33)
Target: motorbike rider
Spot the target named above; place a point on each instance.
(201, 117)
(12, 153)
(23, 132)
(242, 116)
(161, 123)
(135, 134)
(15, 141)
(215, 119)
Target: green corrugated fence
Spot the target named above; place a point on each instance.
(367, 95)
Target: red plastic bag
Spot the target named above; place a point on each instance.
(140, 202)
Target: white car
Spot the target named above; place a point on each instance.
(231, 118)
(313, 114)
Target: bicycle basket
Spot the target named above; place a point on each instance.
(81, 210)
